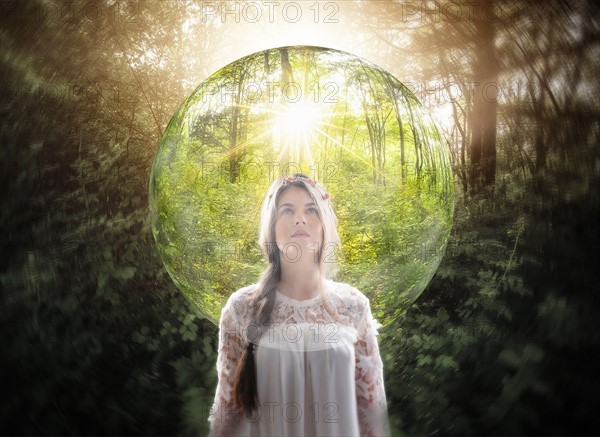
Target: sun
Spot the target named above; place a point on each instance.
(297, 119)
(296, 127)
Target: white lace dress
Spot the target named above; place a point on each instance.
(316, 376)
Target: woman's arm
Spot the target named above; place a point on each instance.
(224, 417)
(370, 392)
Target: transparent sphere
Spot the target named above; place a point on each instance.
(332, 116)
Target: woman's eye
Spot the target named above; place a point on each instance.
(287, 210)
(313, 210)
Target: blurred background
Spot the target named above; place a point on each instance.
(96, 339)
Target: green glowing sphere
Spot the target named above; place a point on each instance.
(331, 115)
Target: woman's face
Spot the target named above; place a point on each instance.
(298, 229)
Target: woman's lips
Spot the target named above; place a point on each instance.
(300, 234)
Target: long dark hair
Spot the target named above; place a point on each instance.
(245, 392)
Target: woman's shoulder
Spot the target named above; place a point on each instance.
(354, 306)
(243, 294)
(238, 308)
(240, 300)
(351, 297)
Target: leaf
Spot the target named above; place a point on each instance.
(127, 272)
(510, 358)
(423, 360)
(446, 361)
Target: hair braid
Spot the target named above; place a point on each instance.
(245, 391)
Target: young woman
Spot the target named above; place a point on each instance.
(298, 353)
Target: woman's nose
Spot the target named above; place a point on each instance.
(300, 219)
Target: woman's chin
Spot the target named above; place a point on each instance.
(305, 256)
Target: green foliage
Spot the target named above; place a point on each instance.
(482, 354)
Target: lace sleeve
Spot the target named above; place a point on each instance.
(224, 418)
(370, 392)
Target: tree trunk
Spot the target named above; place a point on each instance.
(287, 77)
(482, 151)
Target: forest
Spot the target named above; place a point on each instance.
(476, 243)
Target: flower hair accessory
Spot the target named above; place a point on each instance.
(291, 178)
(311, 181)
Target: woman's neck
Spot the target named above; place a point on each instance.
(300, 283)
